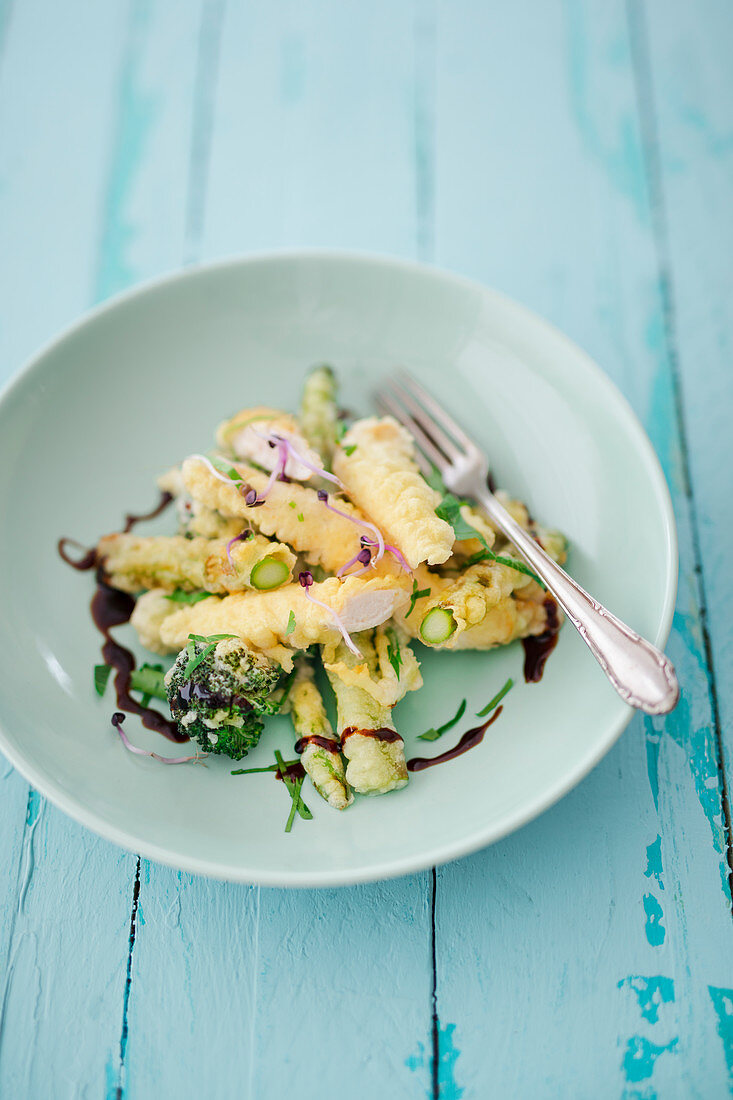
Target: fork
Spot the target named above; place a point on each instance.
(641, 674)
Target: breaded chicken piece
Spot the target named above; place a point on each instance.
(262, 619)
(242, 436)
(322, 762)
(133, 562)
(381, 477)
(291, 513)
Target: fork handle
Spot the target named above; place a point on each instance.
(641, 674)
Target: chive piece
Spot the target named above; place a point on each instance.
(393, 650)
(149, 679)
(179, 596)
(348, 451)
(251, 771)
(291, 623)
(101, 676)
(292, 504)
(496, 700)
(433, 734)
(416, 594)
(301, 517)
(268, 573)
(293, 786)
(437, 626)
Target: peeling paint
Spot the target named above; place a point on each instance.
(651, 993)
(448, 1088)
(655, 930)
(723, 1004)
(654, 861)
(641, 1057)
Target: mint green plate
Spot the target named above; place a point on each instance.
(142, 381)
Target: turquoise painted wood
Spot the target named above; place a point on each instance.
(580, 157)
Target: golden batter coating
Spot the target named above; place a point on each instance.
(381, 477)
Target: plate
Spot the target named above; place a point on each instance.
(142, 381)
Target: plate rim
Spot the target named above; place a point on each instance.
(480, 838)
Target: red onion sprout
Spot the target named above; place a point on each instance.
(306, 580)
(323, 497)
(118, 718)
(241, 537)
(287, 450)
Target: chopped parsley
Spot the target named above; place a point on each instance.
(224, 468)
(194, 659)
(348, 451)
(433, 734)
(449, 510)
(393, 650)
(179, 596)
(101, 676)
(291, 624)
(496, 700)
(292, 504)
(416, 594)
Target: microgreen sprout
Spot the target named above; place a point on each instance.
(118, 719)
(241, 537)
(306, 581)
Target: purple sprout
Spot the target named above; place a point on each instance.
(306, 580)
(241, 537)
(117, 720)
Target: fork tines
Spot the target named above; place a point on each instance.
(439, 437)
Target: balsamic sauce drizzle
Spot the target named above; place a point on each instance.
(110, 607)
(539, 648)
(469, 741)
(327, 743)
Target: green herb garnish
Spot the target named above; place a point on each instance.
(101, 676)
(393, 650)
(179, 596)
(449, 510)
(149, 679)
(417, 594)
(224, 468)
(292, 504)
(291, 624)
(194, 659)
(350, 449)
(301, 517)
(433, 734)
(496, 700)
(293, 786)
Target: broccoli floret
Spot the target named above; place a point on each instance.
(218, 692)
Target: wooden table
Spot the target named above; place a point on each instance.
(578, 156)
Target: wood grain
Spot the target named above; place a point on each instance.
(580, 157)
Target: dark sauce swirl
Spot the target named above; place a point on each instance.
(327, 743)
(382, 734)
(110, 607)
(469, 741)
(539, 648)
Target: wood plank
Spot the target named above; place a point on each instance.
(307, 141)
(67, 894)
(687, 101)
(107, 85)
(580, 950)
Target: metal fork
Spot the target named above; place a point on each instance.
(642, 675)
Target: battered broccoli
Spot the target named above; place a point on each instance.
(219, 691)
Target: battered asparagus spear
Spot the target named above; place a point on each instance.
(364, 701)
(320, 757)
(319, 412)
